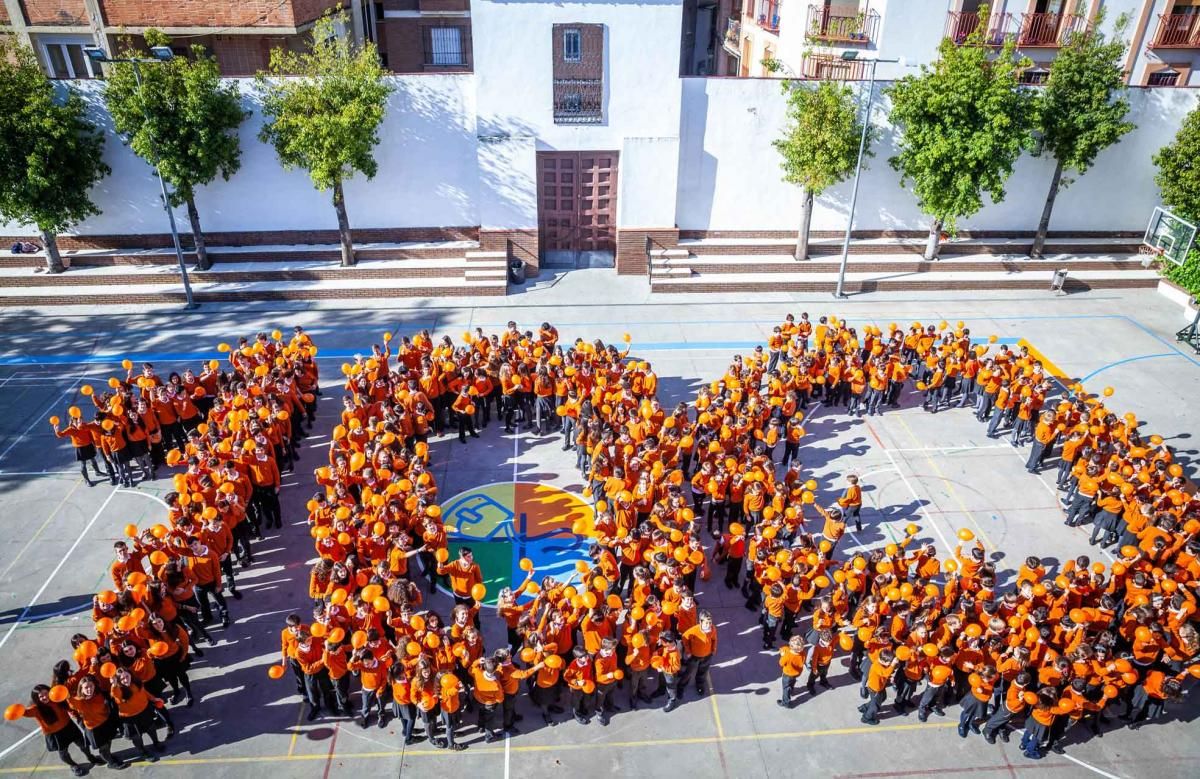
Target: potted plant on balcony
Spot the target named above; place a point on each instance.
(859, 31)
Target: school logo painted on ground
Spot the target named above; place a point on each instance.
(504, 522)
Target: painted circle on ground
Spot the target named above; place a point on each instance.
(503, 522)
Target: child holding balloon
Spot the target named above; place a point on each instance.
(47, 706)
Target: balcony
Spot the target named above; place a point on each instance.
(768, 15)
(1177, 31)
(733, 37)
(824, 67)
(578, 101)
(1049, 30)
(960, 25)
(823, 26)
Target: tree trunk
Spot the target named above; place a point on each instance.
(933, 245)
(339, 204)
(805, 226)
(202, 261)
(53, 258)
(1039, 240)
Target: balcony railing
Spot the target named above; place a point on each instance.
(1177, 31)
(823, 67)
(768, 15)
(578, 101)
(824, 26)
(733, 37)
(961, 24)
(1049, 30)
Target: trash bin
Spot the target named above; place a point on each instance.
(1059, 280)
(516, 271)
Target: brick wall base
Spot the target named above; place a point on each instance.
(257, 238)
(631, 247)
(517, 244)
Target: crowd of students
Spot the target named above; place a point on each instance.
(231, 429)
(1053, 651)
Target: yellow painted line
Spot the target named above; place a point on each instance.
(296, 729)
(1050, 367)
(950, 488)
(717, 718)
(571, 747)
(53, 513)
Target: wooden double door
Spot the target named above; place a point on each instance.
(577, 202)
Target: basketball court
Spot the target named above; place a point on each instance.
(510, 496)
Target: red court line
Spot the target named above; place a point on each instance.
(875, 435)
(332, 744)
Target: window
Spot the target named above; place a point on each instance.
(1035, 76)
(446, 46)
(67, 60)
(572, 46)
(1163, 78)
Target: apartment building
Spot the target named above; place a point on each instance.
(413, 36)
(808, 38)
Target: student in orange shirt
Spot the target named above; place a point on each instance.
(851, 502)
(792, 658)
(58, 729)
(699, 644)
(83, 440)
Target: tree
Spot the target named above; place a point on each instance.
(1081, 111)
(323, 111)
(52, 155)
(819, 146)
(183, 118)
(1178, 164)
(963, 123)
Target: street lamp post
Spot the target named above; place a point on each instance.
(161, 54)
(862, 146)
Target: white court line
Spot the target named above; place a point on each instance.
(19, 742)
(920, 502)
(57, 568)
(37, 419)
(149, 495)
(1091, 768)
(38, 473)
(507, 754)
(1054, 493)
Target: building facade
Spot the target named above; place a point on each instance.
(413, 36)
(570, 135)
(807, 38)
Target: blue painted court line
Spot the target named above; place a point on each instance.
(1128, 360)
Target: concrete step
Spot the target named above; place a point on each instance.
(778, 245)
(135, 294)
(406, 250)
(856, 282)
(1012, 263)
(246, 272)
(475, 256)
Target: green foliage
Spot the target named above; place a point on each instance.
(820, 142)
(52, 155)
(183, 116)
(1081, 111)
(1178, 163)
(324, 107)
(963, 123)
(1186, 275)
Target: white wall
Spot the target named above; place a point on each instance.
(730, 177)
(428, 174)
(513, 65)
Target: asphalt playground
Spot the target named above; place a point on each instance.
(940, 472)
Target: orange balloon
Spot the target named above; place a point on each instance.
(275, 672)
